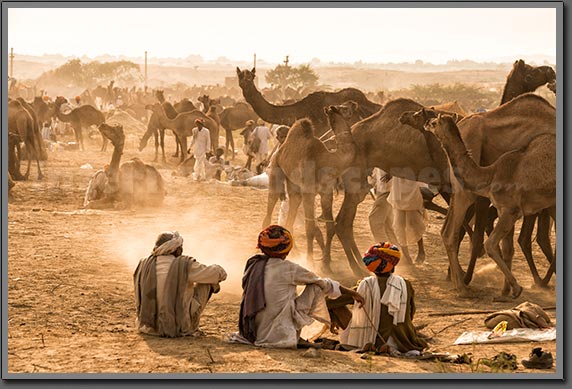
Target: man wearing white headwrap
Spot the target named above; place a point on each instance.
(172, 290)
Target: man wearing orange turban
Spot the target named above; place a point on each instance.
(386, 317)
(272, 314)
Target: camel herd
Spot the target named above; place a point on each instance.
(496, 164)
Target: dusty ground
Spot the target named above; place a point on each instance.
(70, 293)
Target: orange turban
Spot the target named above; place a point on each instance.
(275, 241)
(381, 257)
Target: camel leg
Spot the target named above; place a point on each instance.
(183, 141)
(275, 191)
(229, 143)
(294, 200)
(177, 145)
(543, 234)
(481, 214)
(504, 227)
(420, 252)
(308, 200)
(162, 144)
(507, 251)
(326, 203)
(156, 137)
(525, 243)
(344, 231)
(450, 232)
(543, 240)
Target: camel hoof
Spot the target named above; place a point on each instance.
(517, 292)
(41, 177)
(420, 259)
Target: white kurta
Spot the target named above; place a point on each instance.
(263, 133)
(202, 141)
(279, 324)
(409, 213)
(199, 280)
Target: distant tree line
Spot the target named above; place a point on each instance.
(470, 97)
(91, 74)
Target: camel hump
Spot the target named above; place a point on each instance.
(304, 127)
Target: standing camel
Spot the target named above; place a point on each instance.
(309, 168)
(155, 128)
(311, 106)
(519, 183)
(183, 123)
(522, 78)
(21, 127)
(80, 117)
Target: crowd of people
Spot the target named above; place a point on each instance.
(172, 291)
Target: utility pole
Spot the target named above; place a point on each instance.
(12, 62)
(254, 60)
(145, 71)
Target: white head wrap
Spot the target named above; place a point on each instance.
(169, 246)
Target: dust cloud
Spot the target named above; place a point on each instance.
(206, 238)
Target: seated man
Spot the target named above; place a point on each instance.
(172, 290)
(272, 314)
(390, 324)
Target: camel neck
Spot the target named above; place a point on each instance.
(467, 171)
(268, 112)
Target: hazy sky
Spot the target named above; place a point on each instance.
(340, 35)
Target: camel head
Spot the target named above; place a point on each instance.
(245, 77)
(336, 118)
(155, 108)
(552, 86)
(60, 100)
(114, 133)
(532, 76)
(418, 119)
(444, 128)
(160, 95)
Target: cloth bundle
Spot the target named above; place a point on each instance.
(525, 315)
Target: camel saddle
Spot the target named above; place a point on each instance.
(525, 315)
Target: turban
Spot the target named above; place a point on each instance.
(170, 246)
(381, 257)
(260, 122)
(249, 122)
(199, 121)
(275, 241)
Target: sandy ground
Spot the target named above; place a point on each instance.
(70, 293)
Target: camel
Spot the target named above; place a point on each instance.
(80, 117)
(134, 183)
(417, 120)
(519, 183)
(183, 124)
(230, 118)
(41, 147)
(44, 110)
(21, 126)
(234, 118)
(522, 78)
(154, 127)
(311, 106)
(406, 155)
(314, 174)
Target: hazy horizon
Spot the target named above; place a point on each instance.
(405, 35)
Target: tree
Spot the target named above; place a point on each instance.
(284, 76)
(94, 73)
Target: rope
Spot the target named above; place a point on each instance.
(325, 133)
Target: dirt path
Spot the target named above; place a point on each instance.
(70, 293)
